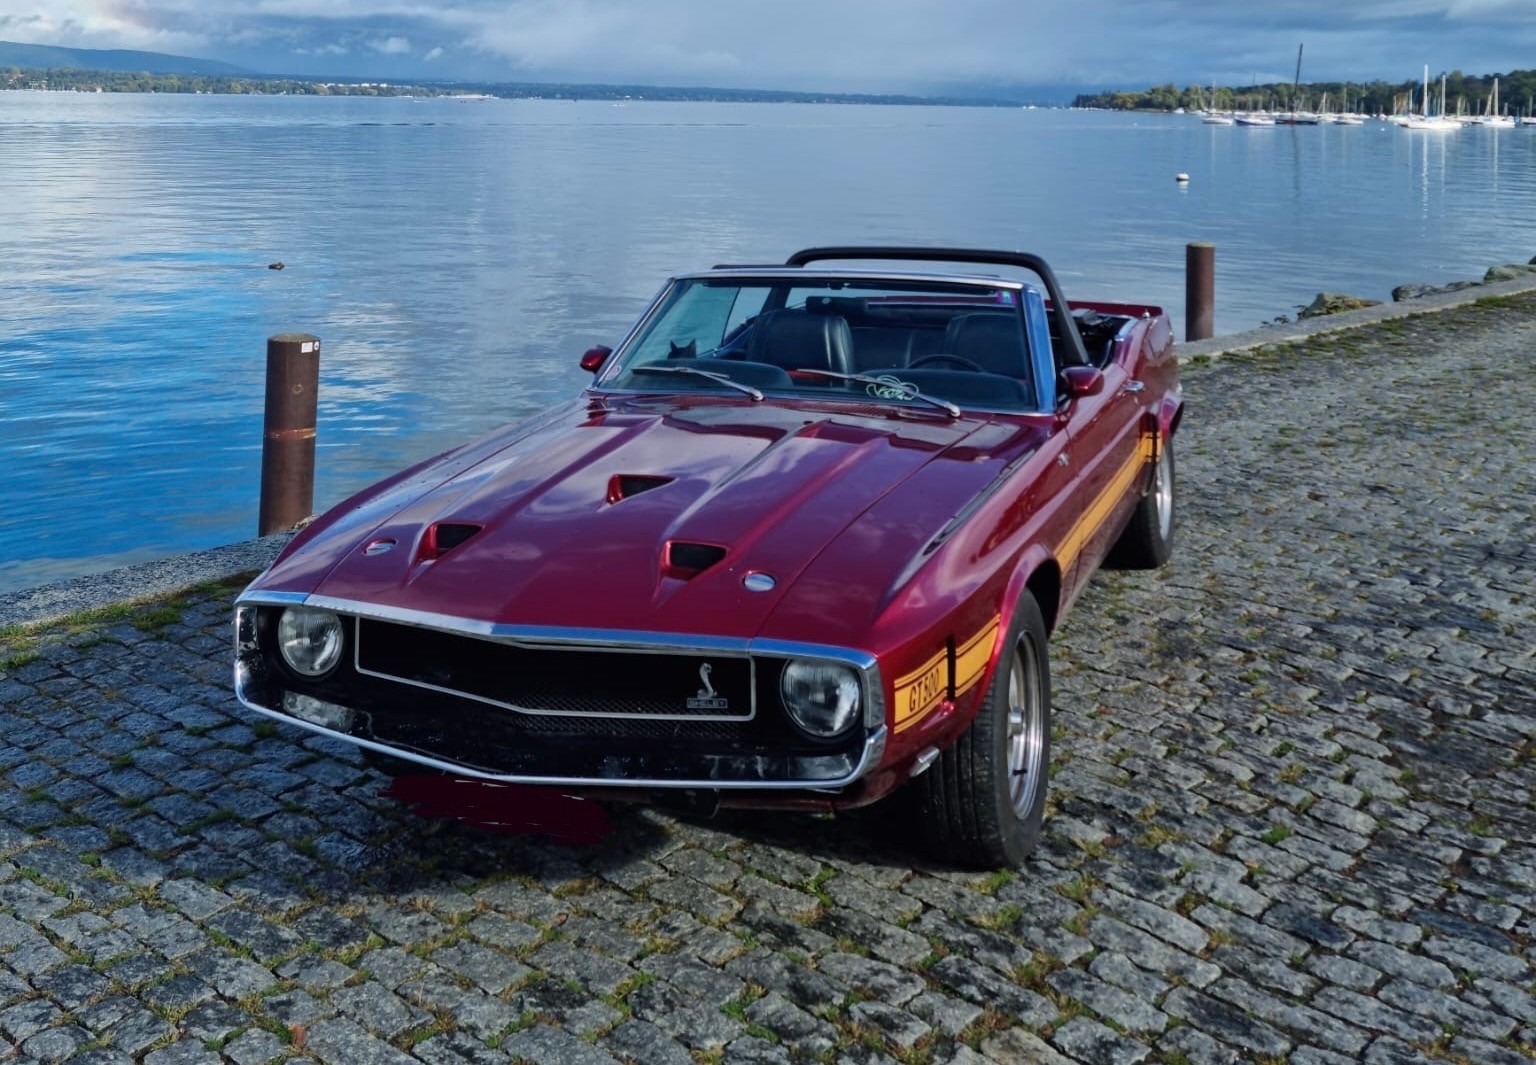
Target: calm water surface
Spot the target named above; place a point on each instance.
(456, 258)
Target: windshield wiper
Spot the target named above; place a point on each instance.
(889, 387)
(694, 371)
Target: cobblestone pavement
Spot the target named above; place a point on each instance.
(1292, 810)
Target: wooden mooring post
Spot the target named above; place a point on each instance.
(1199, 290)
(288, 436)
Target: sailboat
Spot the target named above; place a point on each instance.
(1492, 119)
(1294, 117)
(1213, 117)
(1346, 117)
(1433, 124)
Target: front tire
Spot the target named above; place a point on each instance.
(982, 802)
(1148, 538)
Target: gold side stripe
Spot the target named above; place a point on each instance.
(922, 670)
(918, 693)
(971, 660)
(1083, 529)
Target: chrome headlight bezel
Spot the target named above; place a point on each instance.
(309, 641)
(824, 699)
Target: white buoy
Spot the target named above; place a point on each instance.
(1182, 178)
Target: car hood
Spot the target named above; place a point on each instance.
(577, 518)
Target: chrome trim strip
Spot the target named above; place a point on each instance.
(923, 761)
(796, 275)
(357, 664)
(560, 636)
(1042, 359)
(271, 598)
(796, 649)
(617, 354)
(869, 757)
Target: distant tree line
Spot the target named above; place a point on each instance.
(1516, 90)
(69, 79)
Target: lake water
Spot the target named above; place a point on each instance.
(456, 258)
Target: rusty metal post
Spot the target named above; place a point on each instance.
(1199, 290)
(288, 441)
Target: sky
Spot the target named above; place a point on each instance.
(922, 46)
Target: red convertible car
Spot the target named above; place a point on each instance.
(801, 544)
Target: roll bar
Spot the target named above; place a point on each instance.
(1066, 327)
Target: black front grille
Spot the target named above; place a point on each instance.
(451, 726)
(631, 727)
(566, 682)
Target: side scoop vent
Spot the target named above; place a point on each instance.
(686, 560)
(625, 485)
(443, 537)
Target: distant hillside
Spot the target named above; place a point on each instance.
(42, 56)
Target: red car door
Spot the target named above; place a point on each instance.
(1110, 459)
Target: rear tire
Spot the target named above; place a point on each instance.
(982, 802)
(1147, 540)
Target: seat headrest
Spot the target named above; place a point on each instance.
(993, 340)
(796, 340)
(847, 306)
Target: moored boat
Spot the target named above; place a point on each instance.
(1432, 123)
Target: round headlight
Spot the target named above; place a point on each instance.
(309, 640)
(822, 697)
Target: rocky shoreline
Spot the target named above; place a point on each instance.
(1336, 302)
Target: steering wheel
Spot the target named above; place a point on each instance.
(942, 356)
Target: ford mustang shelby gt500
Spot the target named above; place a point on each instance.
(800, 544)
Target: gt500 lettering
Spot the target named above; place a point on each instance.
(925, 692)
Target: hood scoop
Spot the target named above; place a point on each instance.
(442, 537)
(686, 560)
(625, 485)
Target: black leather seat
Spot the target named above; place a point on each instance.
(799, 340)
(881, 345)
(992, 340)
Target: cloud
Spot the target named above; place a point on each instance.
(872, 45)
(391, 46)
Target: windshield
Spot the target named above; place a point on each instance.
(906, 343)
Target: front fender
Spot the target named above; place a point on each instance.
(1035, 571)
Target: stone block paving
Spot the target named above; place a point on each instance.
(1292, 810)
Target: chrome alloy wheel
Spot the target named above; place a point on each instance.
(1026, 727)
(1162, 492)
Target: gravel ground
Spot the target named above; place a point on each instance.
(1292, 809)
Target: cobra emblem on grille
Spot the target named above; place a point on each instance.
(707, 698)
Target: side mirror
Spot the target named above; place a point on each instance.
(594, 357)
(1082, 381)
